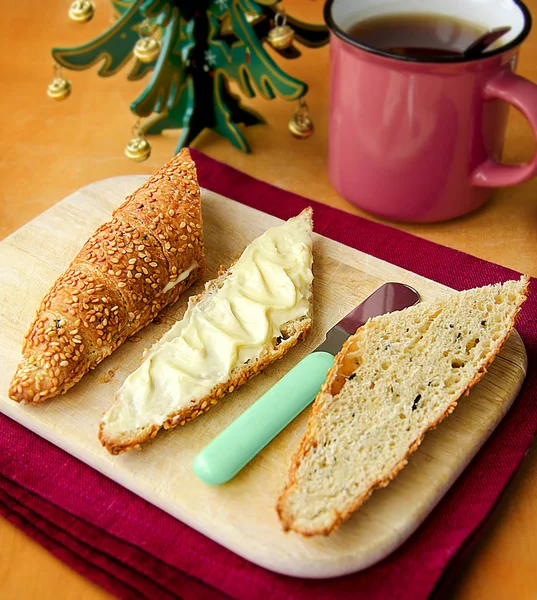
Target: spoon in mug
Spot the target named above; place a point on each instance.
(484, 41)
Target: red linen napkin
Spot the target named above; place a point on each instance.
(135, 550)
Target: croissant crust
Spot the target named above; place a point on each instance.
(119, 281)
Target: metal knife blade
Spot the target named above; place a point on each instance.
(390, 297)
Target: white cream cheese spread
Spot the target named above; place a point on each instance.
(267, 287)
(182, 276)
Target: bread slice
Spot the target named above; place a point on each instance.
(394, 380)
(246, 318)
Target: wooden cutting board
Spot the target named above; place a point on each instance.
(239, 514)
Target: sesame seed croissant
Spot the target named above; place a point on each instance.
(133, 266)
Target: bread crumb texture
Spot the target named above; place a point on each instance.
(395, 379)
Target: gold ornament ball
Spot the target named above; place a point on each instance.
(138, 149)
(147, 49)
(82, 11)
(300, 126)
(281, 37)
(59, 89)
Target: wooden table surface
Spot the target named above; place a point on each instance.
(50, 149)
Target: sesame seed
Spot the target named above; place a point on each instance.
(121, 284)
(64, 363)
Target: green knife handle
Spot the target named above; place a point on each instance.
(235, 447)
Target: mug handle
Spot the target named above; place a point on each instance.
(522, 94)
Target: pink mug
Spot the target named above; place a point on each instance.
(421, 139)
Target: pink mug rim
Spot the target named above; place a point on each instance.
(343, 35)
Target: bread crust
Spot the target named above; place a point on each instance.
(240, 375)
(308, 441)
(115, 284)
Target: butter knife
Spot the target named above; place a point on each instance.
(236, 445)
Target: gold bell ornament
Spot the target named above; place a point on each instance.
(147, 48)
(300, 124)
(281, 36)
(81, 11)
(59, 88)
(138, 149)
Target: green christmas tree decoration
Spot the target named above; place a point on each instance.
(204, 45)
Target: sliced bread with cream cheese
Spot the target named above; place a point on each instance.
(246, 318)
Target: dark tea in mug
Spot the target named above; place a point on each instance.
(416, 35)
